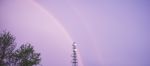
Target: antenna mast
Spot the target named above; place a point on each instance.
(74, 55)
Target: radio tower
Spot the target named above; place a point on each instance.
(74, 55)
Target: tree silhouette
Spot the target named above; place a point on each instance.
(7, 46)
(26, 56)
(9, 56)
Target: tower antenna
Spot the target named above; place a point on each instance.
(74, 55)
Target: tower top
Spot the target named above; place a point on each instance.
(74, 43)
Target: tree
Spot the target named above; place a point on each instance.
(9, 56)
(7, 46)
(26, 56)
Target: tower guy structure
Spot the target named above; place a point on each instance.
(74, 55)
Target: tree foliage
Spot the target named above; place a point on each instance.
(10, 56)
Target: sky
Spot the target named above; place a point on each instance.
(108, 33)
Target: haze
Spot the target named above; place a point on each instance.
(108, 32)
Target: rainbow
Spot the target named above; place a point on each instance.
(57, 22)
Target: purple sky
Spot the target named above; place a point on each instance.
(109, 33)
